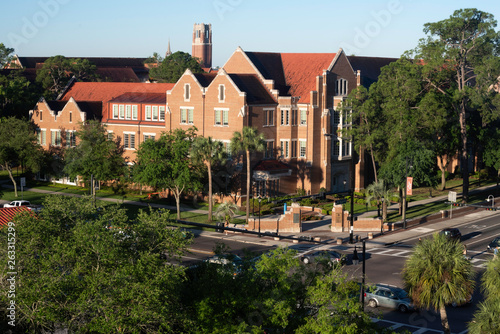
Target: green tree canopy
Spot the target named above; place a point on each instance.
(165, 163)
(57, 71)
(172, 67)
(210, 152)
(248, 140)
(19, 146)
(5, 55)
(466, 45)
(95, 154)
(92, 270)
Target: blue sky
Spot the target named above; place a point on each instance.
(127, 28)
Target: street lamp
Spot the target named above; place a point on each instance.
(260, 199)
(492, 200)
(404, 194)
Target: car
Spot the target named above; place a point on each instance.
(18, 203)
(493, 244)
(330, 255)
(452, 233)
(390, 296)
(228, 263)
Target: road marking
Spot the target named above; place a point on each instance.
(423, 229)
(401, 253)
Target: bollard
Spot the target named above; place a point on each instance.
(370, 235)
(339, 241)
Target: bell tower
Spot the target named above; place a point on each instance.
(202, 44)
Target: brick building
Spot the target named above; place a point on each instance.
(289, 97)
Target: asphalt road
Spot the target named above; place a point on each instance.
(384, 265)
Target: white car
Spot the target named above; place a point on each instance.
(14, 204)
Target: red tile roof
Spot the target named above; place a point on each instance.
(294, 74)
(105, 91)
(7, 214)
(301, 70)
(271, 166)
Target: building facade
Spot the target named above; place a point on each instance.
(292, 98)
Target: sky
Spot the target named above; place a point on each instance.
(131, 28)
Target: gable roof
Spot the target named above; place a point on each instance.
(205, 78)
(106, 91)
(32, 62)
(8, 214)
(294, 74)
(369, 67)
(255, 91)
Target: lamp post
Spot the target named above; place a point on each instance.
(260, 199)
(405, 190)
(492, 200)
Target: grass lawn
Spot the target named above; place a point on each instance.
(188, 207)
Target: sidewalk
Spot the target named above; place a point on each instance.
(320, 230)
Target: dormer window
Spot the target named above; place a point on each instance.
(341, 87)
(222, 93)
(187, 92)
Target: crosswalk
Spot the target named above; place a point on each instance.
(400, 327)
(476, 261)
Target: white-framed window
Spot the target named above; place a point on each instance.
(285, 117)
(134, 111)
(268, 117)
(155, 113)
(129, 140)
(187, 115)
(148, 136)
(269, 153)
(293, 151)
(55, 137)
(285, 148)
(115, 111)
(303, 117)
(41, 136)
(187, 92)
(302, 148)
(346, 148)
(121, 108)
(128, 111)
(227, 147)
(336, 117)
(222, 93)
(148, 113)
(110, 135)
(341, 87)
(222, 117)
(162, 113)
(70, 138)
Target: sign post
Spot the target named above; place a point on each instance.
(452, 197)
(23, 184)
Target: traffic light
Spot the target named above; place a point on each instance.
(458, 204)
(491, 209)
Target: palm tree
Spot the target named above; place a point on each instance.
(437, 274)
(226, 211)
(378, 192)
(248, 140)
(210, 152)
(486, 318)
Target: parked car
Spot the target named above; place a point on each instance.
(14, 204)
(493, 244)
(330, 255)
(388, 296)
(452, 233)
(232, 264)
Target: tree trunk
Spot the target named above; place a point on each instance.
(442, 168)
(444, 320)
(384, 211)
(248, 186)
(7, 167)
(374, 164)
(210, 202)
(177, 195)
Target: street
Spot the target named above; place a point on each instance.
(384, 264)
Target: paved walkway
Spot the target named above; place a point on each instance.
(319, 230)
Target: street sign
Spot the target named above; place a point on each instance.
(341, 201)
(23, 182)
(452, 196)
